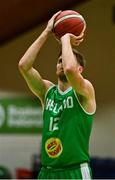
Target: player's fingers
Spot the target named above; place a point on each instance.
(81, 40)
(84, 28)
(73, 37)
(56, 14)
(76, 43)
(80, 36)
(77, 38)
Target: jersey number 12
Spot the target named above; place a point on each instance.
(53, 123)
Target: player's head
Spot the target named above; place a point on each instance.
(79, 59)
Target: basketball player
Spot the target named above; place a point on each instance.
(68, 112)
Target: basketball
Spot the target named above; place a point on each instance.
(68, 21)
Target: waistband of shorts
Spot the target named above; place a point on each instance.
(68, 167)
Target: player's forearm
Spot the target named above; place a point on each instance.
(67, 54)
(29, 57)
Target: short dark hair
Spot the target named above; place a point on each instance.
(80, 58)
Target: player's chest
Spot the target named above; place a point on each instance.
(58, 105)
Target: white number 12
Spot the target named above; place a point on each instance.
(53, 124)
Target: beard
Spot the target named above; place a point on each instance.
(63, 78)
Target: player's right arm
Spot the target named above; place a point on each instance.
(35, 82)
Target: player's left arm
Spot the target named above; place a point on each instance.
(81, 85)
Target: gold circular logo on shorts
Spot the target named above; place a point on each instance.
(53, 147)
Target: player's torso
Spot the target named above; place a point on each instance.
(66, 129)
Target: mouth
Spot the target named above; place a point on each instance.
(62, 71)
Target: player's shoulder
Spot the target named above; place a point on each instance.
(48, 84)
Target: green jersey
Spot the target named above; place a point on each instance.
(66, 129)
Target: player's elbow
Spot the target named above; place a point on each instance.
(22, 66)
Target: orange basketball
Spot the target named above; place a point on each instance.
(68, 21)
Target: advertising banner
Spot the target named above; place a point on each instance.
(20, 115)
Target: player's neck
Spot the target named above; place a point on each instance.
(63, 85)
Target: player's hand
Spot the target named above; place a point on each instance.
(74, 40)
(51, 21)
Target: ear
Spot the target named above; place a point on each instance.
(80, 69)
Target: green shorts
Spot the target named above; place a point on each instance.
(83, 171)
